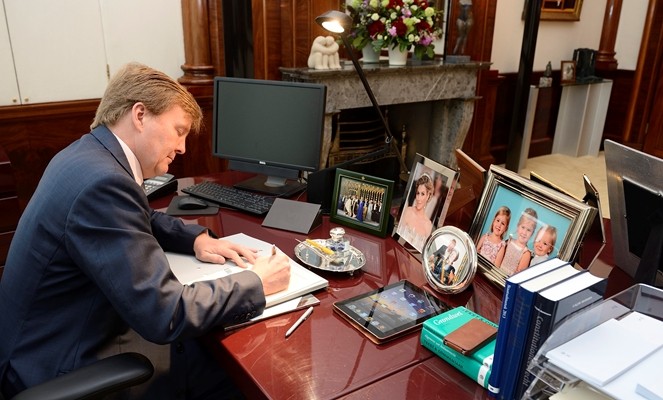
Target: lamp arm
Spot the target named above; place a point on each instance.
(389, 137)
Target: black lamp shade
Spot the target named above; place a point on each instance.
(335, 21)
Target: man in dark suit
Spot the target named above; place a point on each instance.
(87, 276)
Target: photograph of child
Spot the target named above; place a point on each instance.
(544, 243)
(516, 256)
(445, 260)
(491, 243)
(511, 248)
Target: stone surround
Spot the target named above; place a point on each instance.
(451, 88)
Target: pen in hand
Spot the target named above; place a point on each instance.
(299, 321)
(273, 249)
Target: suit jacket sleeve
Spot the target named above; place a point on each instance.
(119, 249)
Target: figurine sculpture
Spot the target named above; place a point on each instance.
(324, 54)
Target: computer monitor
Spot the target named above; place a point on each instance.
(635, 196)
(272, 128)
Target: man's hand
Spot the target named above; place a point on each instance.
(274, 272)
(217, 251)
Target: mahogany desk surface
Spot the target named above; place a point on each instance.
(326, 357)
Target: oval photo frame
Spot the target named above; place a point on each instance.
(449, 260)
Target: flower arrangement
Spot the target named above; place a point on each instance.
(395, 23)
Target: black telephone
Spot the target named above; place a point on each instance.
(159, 186)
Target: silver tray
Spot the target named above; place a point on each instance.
(350, 261)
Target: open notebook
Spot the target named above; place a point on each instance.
(188, 269)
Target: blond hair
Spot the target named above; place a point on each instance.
(135, 83)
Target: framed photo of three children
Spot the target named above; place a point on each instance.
(519, 223)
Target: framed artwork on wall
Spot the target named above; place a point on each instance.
(559, 10)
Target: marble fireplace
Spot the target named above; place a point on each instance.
(449, 89)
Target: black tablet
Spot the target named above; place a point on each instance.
(390, 311)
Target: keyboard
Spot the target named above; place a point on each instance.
(232, 197)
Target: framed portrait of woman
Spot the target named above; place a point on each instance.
(427, 195)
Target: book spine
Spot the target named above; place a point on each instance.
(540, 328)
(502, 336)
(478, 372)
(546, 314)
(517, 336)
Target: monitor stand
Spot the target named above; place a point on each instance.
(271, 186)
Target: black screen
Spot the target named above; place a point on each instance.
(272, 128)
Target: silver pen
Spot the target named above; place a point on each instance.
(299, 321)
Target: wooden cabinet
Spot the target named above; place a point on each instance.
(60, 51)
(57, 51)
(8, 86)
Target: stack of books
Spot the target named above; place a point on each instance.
(474, 358)
(534, 303)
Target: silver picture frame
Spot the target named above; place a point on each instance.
(449, 260)
(563, 217)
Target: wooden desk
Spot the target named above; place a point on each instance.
(326, 357)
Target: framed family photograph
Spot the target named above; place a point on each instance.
(520, 223)
(449, 260)
(568, 71)
(362, 201)
(427, 196)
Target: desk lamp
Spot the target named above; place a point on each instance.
(339, 22)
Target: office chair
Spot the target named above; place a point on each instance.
(94, 381)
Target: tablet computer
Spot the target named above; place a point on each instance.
(391, 311)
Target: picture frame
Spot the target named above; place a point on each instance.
(347, 208)
(568, 71)
(559, 10)
(417, 221)
(557, 225)
(449, 260)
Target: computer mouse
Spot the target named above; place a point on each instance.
(191, 203)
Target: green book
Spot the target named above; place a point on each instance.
(469, 366)
(445, 323)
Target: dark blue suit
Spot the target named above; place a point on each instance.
(87, 264)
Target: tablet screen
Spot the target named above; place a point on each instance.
(391, 310)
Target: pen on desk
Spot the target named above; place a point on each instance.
(314, 244)
(299, 321)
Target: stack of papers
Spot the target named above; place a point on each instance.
(617, 356)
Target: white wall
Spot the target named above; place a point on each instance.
(58, 51)
(556, 40)
(629, 35)
(147, 31)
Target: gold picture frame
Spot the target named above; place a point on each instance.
(559, 10)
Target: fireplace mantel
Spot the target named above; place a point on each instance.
(450, 87)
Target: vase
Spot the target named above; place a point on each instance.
(397, 57)
(369, 55)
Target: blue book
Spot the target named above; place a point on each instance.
(552, 305)
(519, 326)
(508, 297)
